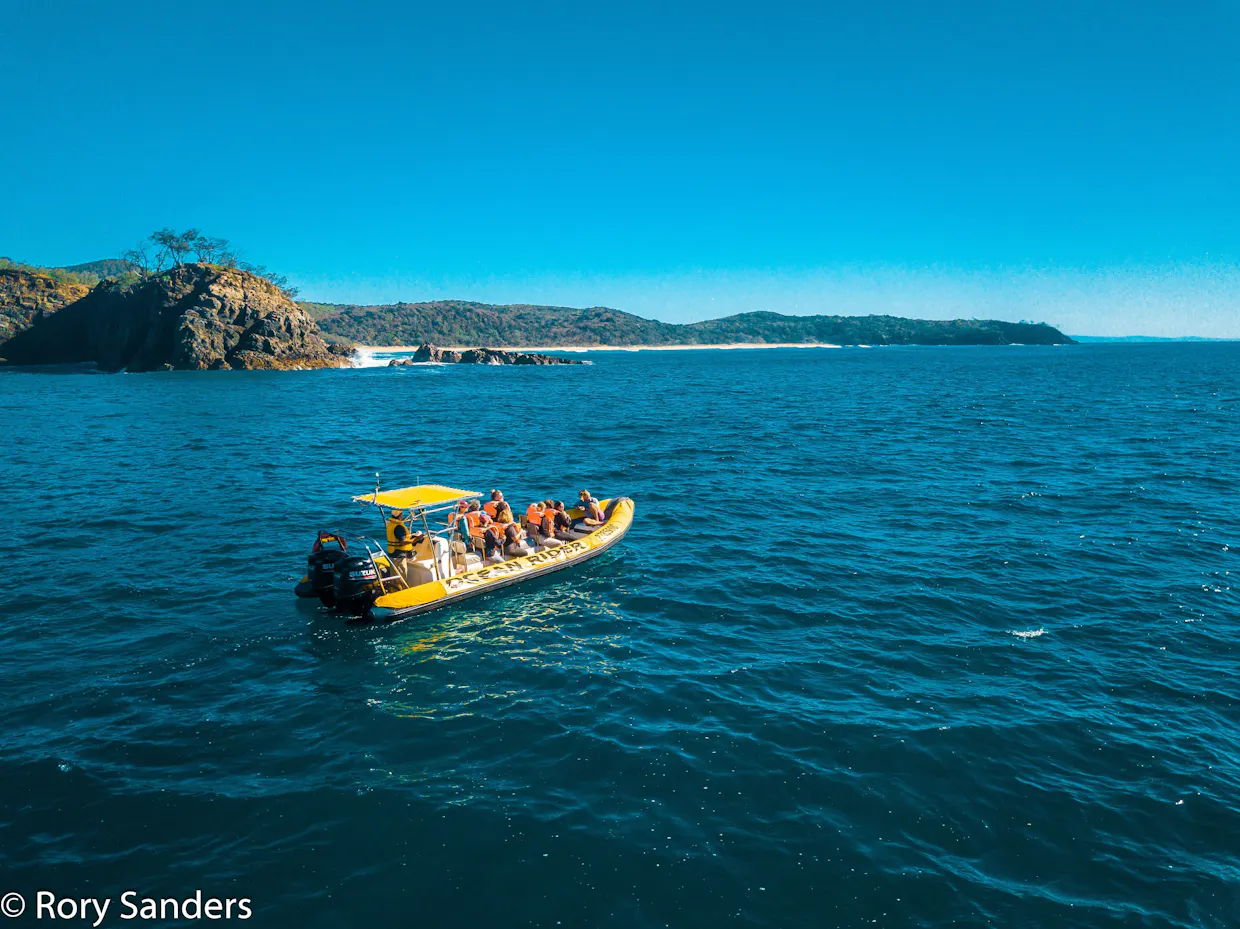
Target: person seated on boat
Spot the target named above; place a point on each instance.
(481, 528)
(462, 509)
(492, 506)
(560, 522)
(534, 517)
(593, 512)
(399, 538)
(513, 536)
(540, 517)
(547, 526)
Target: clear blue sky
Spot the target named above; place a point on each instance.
(676, 160)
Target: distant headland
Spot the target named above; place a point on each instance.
(184, 301)
(524, 326)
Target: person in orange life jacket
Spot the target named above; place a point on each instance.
(481, 526)
(541, 519)
(492, 506)
(547, 526)
(474, 517)
(594, 513)
(534, 517)
(462, 508)
(512, 535)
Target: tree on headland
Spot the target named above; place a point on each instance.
(166, 248)
(141, 257)
(177, 246)
(215, 252)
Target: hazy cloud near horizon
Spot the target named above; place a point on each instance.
(1172, 300)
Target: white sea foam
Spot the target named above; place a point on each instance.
(1028, 634)
(366, 357)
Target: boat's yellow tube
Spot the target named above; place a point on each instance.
(434, 594)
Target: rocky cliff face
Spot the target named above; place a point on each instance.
(196, 317)
(480, 356)
(25, 297)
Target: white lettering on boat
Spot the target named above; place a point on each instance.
(547, 556)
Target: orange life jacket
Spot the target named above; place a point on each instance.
(533, 514)
(491, 506)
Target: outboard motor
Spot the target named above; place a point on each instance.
(356, 585)
(329, 548)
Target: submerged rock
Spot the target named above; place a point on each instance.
(484, 356)
(195, 317)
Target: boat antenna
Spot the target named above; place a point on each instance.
(376, 487)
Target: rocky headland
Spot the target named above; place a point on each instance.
(193, 317)
(205, 316)
(26, 296)
(479, 356)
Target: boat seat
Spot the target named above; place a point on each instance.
(467, 561)
(522, 549)
(420, 572)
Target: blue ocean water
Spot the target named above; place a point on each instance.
(900, 637)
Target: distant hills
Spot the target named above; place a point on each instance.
(106, 267)
(469, 324)
(89, 274)
(1147, 338)
(464, 323)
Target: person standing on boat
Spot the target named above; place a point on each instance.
(400, 542)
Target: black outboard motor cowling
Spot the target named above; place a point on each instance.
(322, 572)
(329, 547)
(356, 584)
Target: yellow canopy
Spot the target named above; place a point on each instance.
(409, 498)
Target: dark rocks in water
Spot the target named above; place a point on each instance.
(195, 317)
(482, 356)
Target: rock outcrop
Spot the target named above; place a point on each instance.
(196, 317)
(480, 356)
(26, 296)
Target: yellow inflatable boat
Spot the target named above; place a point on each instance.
(435, 568)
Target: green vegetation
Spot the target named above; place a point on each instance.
(166, 248)
(88, 274)
(162, 250)
(456, 322)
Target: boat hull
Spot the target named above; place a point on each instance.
(424, 598)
